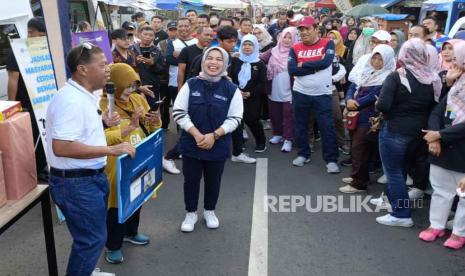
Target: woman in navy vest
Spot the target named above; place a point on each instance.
(208, 108)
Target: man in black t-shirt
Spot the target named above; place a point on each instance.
(189, 53)
(157, 23)
(17, 92)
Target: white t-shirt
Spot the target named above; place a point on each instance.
(178, 45)
(281, 88)
(73, 115)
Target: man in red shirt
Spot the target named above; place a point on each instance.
(310, 64)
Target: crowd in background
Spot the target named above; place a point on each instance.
(392, 102)
(360, 90)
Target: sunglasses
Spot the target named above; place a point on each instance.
(85, 46)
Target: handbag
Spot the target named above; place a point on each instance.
(351, 119)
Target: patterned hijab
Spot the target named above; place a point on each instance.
(456, 95)
(414, 57)
(446, 65)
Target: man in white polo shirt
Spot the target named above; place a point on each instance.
(76, 151)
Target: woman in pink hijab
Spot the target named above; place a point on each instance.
(280, 98)
(447, 54)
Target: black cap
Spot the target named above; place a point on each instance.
(128, 26)
(172, 25)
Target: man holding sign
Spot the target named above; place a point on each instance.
(77, 150)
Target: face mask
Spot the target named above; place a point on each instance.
(368, 31)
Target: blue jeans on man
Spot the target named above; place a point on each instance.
(321, 106)
(393, 148)
(83, 201)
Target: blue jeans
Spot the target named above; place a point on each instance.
(394, 155)
(322, 107)
(83, 201)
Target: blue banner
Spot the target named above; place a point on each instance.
(141, 176)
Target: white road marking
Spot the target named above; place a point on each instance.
(258, 256)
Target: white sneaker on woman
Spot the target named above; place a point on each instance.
(189, 222)
(243, 158)
(276, 139)
(287, 146)
(211, 219)
(393, 221)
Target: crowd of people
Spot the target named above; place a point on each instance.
(389, 101)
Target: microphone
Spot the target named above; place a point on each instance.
(110, 89)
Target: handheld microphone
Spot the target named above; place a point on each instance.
(110, 89)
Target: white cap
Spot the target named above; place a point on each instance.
(382, 35)
(297, 17)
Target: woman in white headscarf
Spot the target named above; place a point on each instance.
(362, 44)
(208, 108)
(361, 98)
(249, 73)
(264, 38)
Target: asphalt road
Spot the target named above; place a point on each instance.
(299, 243)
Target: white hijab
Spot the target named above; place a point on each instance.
(369, 76)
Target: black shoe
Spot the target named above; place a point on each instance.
(346, 162)
(260, 148)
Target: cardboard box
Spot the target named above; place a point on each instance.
(8, 109)
(19, 162)
(2, 183)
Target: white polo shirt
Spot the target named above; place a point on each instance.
(73, 115)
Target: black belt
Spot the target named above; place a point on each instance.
(75, 172)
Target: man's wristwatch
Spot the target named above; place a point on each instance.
(215, 135)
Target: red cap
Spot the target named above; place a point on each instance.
(307, 21)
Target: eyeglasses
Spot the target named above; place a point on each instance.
(86, 45)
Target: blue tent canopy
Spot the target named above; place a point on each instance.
(383, 3)
(169, 5)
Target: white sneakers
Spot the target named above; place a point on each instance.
(380, 202)
(170, 166)
(276, 140)
(287, 146)
(383, 180)
(210, 219)
(189, 222)
(348, 180)
(300, 161)
(347, 189)
(243, 158)
(191, 218)
(393, 221)
(415, 193)
(333, 168)
(97, 272)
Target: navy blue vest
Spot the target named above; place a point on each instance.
(208, 108)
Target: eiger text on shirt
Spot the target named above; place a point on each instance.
(314, 78)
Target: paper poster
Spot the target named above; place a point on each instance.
(36, 68)
(141, 176)
(99, 38)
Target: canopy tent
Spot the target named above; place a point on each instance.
(195, 3)
(169, 5)
(329, 4)
(383, 3)
(226, 4)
